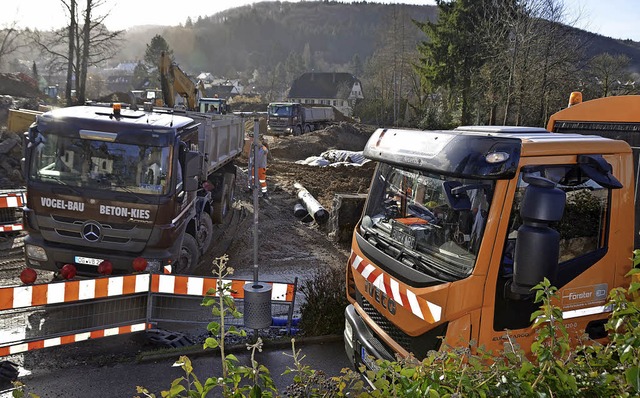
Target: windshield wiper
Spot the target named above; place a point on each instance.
(65, 185)
(408, 257)
(136, 194)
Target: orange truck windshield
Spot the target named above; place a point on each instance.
(408, 216)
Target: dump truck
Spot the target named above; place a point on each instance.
(294, 118)
(460, 225)
(107, 183)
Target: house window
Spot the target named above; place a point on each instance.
(335, 102)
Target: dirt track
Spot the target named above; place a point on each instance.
(288, 246)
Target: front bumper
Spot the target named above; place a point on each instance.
(360, 343)
(59, 255)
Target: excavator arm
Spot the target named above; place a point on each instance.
(174, 81)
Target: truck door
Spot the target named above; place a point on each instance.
(585, 270)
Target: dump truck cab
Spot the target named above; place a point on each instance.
(109, 183)
(459, 226)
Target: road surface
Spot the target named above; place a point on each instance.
(120, 378)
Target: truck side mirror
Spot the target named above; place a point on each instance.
(193, 168)
(537, 245)
(456, 199)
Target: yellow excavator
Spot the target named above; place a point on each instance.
(174, 81)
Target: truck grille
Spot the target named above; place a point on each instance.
(418, 345)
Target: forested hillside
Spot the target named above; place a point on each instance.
(464, 61)
(260, 36)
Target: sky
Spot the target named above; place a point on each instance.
(613, 18)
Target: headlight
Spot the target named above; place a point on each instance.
(36, 253)
(348, 332)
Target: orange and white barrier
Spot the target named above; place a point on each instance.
(125, 303)
(12, 201)
(70, 291)
(72, 338)
(199, 286)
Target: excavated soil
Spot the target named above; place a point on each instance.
(290, 247)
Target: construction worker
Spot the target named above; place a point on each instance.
(260, 159)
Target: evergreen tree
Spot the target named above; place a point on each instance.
(152, 58)
(454, 51)
(357, 68)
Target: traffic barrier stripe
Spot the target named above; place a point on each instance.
(102, 287)
(72, 338)
(403, 296)
(199, 286)
(69, 291)
(13, 199)
(87, 289)
(11, 228)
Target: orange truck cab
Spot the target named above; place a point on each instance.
(459, 226)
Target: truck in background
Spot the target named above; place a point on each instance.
(105, 183)
(459, 225)
(294, 118)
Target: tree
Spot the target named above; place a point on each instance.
(501, 61)
(356, 65)
(140, 76)
(454, 52)
(10, 41)
(609, 73)
(155, 48)
(78, 47)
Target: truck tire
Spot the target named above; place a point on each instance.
(222, 206)
(297, 131)
(204, 235)
(307, 129)
(189, 255)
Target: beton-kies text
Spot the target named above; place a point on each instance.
(119, 211)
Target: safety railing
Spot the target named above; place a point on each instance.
(64, 312)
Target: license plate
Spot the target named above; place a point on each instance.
(368, 360)
(88, 260)
(404, 238)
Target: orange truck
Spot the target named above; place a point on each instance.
(459, 225)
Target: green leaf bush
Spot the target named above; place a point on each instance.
(554, 369)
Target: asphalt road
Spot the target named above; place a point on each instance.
(155, 371)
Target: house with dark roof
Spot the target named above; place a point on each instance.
(220, 91)
(340, 90)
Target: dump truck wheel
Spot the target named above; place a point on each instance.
(189, 255)
(297, 131)
(307, 129)
(205, 232)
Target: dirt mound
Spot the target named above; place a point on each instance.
(322, 182)
(19, 85)
(10, 155)
(345, 136)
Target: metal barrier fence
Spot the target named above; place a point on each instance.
(11, 203)
(56, 313)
